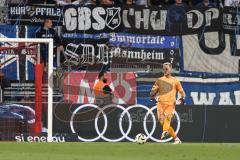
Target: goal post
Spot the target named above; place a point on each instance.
(50, 75)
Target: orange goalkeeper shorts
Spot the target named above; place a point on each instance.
(165, 110)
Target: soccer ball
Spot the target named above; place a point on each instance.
(140, 138)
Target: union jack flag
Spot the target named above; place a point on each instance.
(17, 60)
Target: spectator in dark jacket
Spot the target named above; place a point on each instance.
(47, 31)
(128, 2)
(41, 2)
(206, 3)
(161, 2)
(106, 2)
(211, 3)
(68, 2)
(88, 2)
(179, 3)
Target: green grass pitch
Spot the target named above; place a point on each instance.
(118, 151)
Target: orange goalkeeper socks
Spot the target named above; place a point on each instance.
(168, 128)
(171, 132)
(166, 124)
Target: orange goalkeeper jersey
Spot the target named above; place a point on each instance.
(166, 89)
(98, 88)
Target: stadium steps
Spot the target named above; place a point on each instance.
(20, 92)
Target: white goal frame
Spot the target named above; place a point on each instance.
(49, 41)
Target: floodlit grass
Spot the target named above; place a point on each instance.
(118, 151)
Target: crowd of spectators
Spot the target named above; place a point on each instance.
(207, 3)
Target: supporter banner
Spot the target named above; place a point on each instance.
(78, 87)
(8, 31)
(16, 64)
(141, 59)
(34, 14)
(134, 52)
(122, 123)
(212, 52)
(172, 20)
(88, 54)
(92, 19)
(199, 91)
(121, 52)
(225, 93)
(164, 21)
(144, 41)
(231, 20)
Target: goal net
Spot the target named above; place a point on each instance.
(26, 93)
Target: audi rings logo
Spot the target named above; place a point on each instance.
(125, 111)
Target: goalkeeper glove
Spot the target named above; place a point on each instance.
(181, 101)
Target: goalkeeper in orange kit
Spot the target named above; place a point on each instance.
(166, 88)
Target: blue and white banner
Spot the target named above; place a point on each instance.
(144, 41)
(139, 52)
(214, 91)
(212, 52)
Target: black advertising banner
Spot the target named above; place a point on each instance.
(231, 20)
(34, 14)
(88, 54)
(116, 122)
(192, 123)
(209, 123)
(92, 19)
